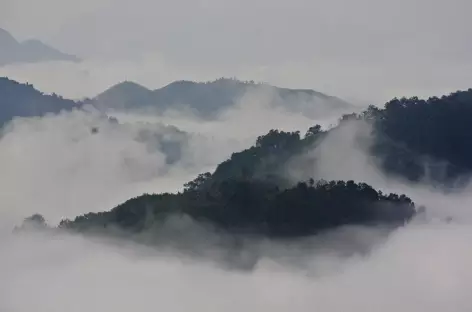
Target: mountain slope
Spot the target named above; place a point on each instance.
(235, 200)
(429, 139)
(123, 95)
(413, 138)
(418, 140)
(23, 100)
(210, 98)
(30, 51)
(258, 207)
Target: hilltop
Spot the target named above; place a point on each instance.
(207, 99)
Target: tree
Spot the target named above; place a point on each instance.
(260, 207)
(313, 131)
(198, 182)
(34, 222)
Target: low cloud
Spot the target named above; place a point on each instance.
(345, 155)
(77, 162)
(424, 267)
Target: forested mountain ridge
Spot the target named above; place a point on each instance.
(249, 191)
(411, 138)
(258, 207)
(23, 100)
(414, 138)
(430, 138)
(249, 194)
(207, 99)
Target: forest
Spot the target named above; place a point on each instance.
(249, 192)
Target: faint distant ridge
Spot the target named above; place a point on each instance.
(29, 51)
(208, 98)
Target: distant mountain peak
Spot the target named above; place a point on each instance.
(129, 84)
(122, 93)
(209, 98)
(29, 51)
(125, 88)
(5, 33)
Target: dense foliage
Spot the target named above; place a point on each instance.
(425, 138)
(414, 139)
(259, 207)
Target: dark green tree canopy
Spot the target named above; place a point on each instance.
(260, 207)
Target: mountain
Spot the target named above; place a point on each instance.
(425, 139)
(123, 95)
(248, 193)
(207, 99)
(23, 100)
(413, 139)
(30, 51)
(259, 208)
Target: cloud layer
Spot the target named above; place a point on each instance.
(73, 163)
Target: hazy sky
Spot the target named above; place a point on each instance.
(365, 49)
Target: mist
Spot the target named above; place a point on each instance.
(57, 164)
(424, 267)
(355, 82)
(64, 165)
(352, 50)
(344, 155)
(78, 162)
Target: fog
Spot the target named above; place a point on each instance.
(351, 81)
(421, 268)
(344, 155)
(77, 162)
(364, 50)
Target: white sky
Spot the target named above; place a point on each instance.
(366, 49)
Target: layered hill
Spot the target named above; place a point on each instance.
(30, 51)
(207, 99)
(249, 192)
(23, 100)
(413, 138)
(421, 140)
